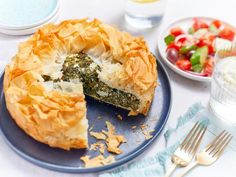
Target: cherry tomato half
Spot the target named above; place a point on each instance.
(217, 23)
(210, 37)
(173, 45)
(181, 40)
(227, 33)
(183, 64)
(208, 67)
(198, 24)
(176, 31)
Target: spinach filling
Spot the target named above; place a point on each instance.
(81, 66)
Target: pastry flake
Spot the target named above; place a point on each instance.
(98, 135)
(98, 146)
(100, 160)
(113, 141)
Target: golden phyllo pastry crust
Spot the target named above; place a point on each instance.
(55, 112)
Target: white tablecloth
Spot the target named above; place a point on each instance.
(185, 92)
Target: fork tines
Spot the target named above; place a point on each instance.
(230, 51)
(217, 146)
(193, 139)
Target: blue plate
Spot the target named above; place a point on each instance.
(69, 161)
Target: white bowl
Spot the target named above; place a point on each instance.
(184, 23)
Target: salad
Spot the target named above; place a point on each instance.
(193, 50)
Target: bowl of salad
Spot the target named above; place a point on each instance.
(188, 46)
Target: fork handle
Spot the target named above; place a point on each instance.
(170, 170)
(188, 168)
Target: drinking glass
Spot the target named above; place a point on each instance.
(144, 14)
(222, 104)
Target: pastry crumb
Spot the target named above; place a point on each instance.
(98, 135)
(100, 160)
(119, 117)
(113, 141)
(102, 148)
(147, 134)
(99, 117)
(90, 129)
(153, 119)
(98, 146)
(143, 126)
(93, 146)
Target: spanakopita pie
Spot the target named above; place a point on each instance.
(46, 81)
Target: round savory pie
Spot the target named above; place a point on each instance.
(46, 82)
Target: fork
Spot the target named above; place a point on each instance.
(211, 153)
(226, 52)
(187, 149)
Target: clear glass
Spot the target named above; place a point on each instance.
(144, 14)
(223, 87)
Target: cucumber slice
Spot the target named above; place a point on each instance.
(203, 53)
(200, 56)
(191, 30)
(186, 49)
(197, 68)
(195, 59)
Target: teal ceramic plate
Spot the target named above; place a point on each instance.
(17, 32)
(22, 14)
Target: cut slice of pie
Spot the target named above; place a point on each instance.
(45, 82)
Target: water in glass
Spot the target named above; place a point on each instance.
(144, 13)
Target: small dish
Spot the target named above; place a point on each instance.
(39, 12)
(27, 31)
(185, 24)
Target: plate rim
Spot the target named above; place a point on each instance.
(163, 54)
(81, 170)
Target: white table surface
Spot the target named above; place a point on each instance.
(185, 92)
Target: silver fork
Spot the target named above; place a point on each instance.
(187, 149)
(211, 153)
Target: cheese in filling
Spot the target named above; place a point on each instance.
(81, 66)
